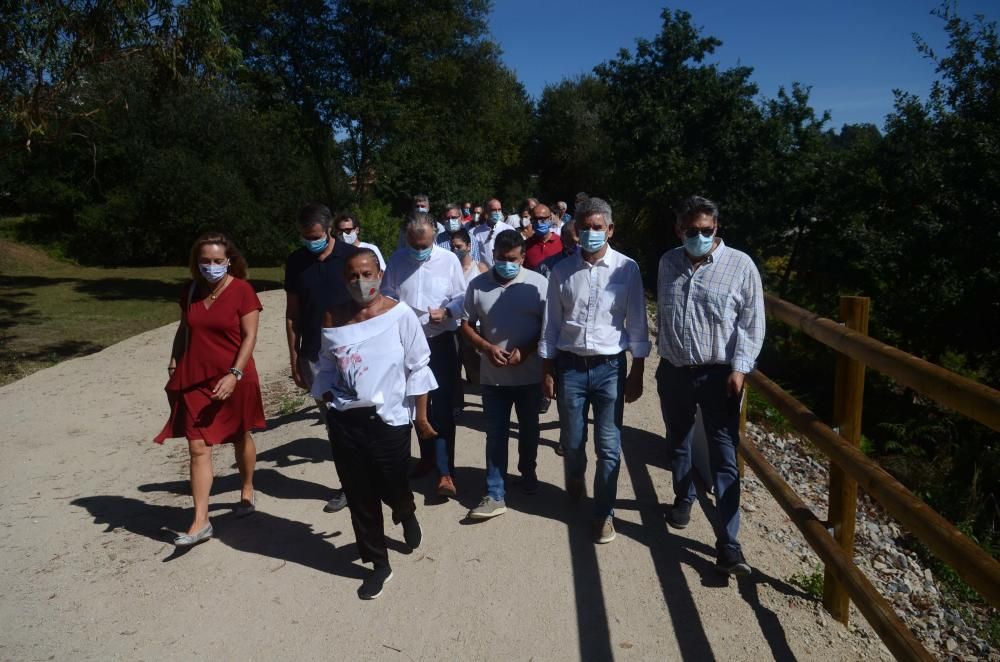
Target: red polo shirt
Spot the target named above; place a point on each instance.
(539, 250)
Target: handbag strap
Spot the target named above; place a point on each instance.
(187, 315)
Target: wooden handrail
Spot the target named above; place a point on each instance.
(890, 628)
(972, 399)
(970, 561)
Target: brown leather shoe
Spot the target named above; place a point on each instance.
(446, 487)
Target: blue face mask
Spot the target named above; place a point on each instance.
(423, 209)
(453, 224)
(698, 246)
(507, 270)
(421, 254)
(542, 228)
(213, 273)
(466, 211)
(315, 245)
(591, 241)
(495, 217)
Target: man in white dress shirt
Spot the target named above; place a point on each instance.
(483, 236)
(595, 312)
(429, 279)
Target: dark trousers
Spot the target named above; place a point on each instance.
(680, 390)
(372, 460)
(444, 365)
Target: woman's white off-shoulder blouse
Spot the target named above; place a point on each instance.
(382, 362)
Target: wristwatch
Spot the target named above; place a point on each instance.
(237, 373)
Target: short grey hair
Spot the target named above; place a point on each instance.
(693, 206)
(448, 207)
(418, 221)
(562, 205)
(592, 206)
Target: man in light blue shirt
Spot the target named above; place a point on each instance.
(710, 307)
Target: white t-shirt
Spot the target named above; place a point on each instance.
(382, 362)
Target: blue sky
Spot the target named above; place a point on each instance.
(853, 53)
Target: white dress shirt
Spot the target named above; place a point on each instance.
(484, 236)
(437, 282)
(383, 362)
(597, 309)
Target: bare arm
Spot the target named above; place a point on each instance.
(292, 332)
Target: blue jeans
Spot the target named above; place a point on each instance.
(600, 385)
(440, 407)
(497, 402)
(680, 390)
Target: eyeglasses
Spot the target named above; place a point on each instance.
(694, 232)
(542, 219)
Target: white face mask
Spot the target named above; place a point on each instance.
(349, 237)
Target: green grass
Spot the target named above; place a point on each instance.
(811, 583)
(52, 309)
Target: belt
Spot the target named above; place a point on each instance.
(581, 362)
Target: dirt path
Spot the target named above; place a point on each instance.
(87, 502)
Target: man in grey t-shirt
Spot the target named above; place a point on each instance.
(508, 301)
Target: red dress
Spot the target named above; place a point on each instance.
(214, 343)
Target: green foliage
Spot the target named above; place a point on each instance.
(810, 582)
(379, 225)
(763, 413)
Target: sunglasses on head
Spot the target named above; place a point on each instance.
(694, 232)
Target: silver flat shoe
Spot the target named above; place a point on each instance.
(243, 509)
(185, 540)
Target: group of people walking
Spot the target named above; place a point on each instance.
(534, 312)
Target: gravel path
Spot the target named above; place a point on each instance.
(87, 504)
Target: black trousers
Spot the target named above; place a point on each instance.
(440, 402)
(372, 460)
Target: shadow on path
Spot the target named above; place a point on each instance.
(640, 450)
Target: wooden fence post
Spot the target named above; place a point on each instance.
(744, 403)
(848, 399)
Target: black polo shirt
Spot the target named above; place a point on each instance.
(320, 286)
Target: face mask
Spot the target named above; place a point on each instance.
(423, 209)
(495, 217)
(213, 273)
(466, 211)
(421, 254)
(315, 245)
(349, 237)
(591, 241)
(542, 228)
(507, 270)
(364, 290)
(698, 246)
(461, 255)
(475, 217)
(453, 224)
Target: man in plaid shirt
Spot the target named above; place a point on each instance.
(710, 306)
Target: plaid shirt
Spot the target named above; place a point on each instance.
(712, 315)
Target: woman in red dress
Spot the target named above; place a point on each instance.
(213, 389)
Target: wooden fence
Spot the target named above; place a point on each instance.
(850, 468)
